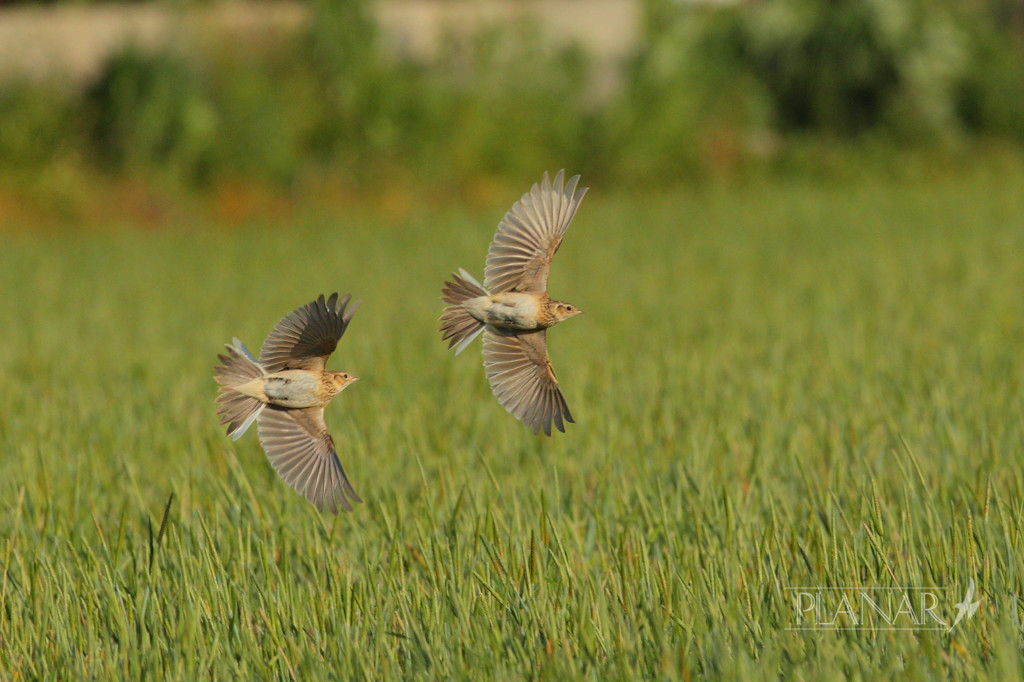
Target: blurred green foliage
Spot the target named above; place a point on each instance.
(151, 110)
(709, 90)
(35, 124)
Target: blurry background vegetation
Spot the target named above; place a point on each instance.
(710, 91)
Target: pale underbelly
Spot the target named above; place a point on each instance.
(512, 311)
(292, 388)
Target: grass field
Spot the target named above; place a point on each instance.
(787, 384)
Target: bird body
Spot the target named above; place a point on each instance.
(519, 311)
(296, 387)
(512, 308)
(285, 392)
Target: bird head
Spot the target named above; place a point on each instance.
(563, 310)
(341, 380)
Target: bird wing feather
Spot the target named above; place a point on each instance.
(306, 337)
(302, 452)
(522, 379)
(519, 258)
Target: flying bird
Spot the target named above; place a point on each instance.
(285, 392)
(512, 308)
(966, 607)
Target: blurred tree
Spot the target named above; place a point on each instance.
(149, 111)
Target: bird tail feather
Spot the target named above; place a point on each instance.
(236, 410)
(458, 327)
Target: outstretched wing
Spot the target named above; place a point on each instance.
(521, 377)
(307, 336)
(302, 452)
(519, 258)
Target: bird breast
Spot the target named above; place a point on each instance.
(295, 388)
(510, 310)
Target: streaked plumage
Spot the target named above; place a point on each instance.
(285, 392)
(512, 308)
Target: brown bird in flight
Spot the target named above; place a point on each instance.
(512, 307)
(285, 392)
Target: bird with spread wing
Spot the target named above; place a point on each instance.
(285, 392)
(512, 308)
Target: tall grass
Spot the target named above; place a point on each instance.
(786, 386)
